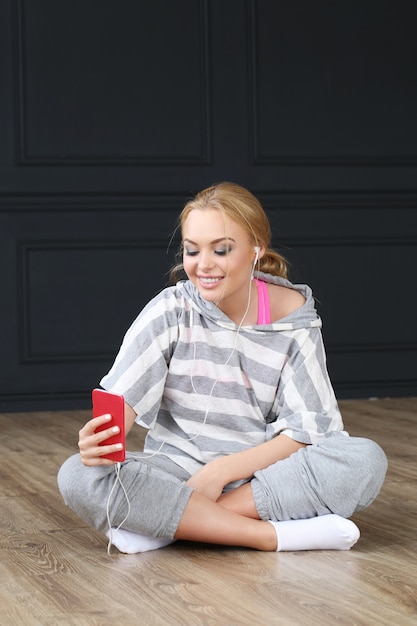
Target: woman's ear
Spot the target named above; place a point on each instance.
(259, 252)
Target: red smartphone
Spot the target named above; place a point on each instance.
(107, 402)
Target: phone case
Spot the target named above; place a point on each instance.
(106, 402)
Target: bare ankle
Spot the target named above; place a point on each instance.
(270, 541)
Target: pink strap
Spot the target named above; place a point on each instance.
(264, 309)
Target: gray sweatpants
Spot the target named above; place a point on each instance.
(339, 475)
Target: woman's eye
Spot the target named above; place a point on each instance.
(218, 252)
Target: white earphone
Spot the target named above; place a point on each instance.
(257, 251)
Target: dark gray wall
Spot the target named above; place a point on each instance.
(112, 114)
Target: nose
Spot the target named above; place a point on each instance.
(205, 260)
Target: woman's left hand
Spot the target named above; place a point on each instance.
(208, 481)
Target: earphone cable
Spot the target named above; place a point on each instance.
(117, 480)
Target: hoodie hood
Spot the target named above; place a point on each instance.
(304, 317)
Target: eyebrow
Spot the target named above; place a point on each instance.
(214, 240)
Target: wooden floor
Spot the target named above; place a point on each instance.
(55, 570)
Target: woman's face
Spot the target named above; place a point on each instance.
(218, 258)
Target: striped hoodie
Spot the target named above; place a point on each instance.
(205, 389)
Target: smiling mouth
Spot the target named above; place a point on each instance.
(209, 280)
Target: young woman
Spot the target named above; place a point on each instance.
(227, 370)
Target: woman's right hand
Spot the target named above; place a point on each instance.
(90, 450)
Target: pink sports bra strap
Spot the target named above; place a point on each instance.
(264, 308)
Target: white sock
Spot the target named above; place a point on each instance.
(131, 543)
(326, 532)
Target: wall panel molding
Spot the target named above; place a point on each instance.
(294, 83)
(48, 266)
(309, 200)
(63, 121)
(84, 202)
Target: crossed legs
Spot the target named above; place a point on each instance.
(164, 508)
(212, 522)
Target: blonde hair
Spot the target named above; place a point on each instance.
(243, 207)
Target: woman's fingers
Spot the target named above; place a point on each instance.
(90, 442)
